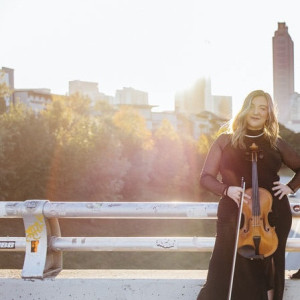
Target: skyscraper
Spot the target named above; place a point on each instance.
(199, 98)
(283, 72)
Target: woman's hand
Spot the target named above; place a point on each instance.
(235, 193)
(281, 189)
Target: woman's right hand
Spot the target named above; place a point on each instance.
(235, 193)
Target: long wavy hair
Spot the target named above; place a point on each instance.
(238, 125)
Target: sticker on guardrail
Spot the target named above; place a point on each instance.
(11, 208)
(7, 244)
(296, 208)
(94, 207)
(34, 246)
(34, 231)
(166, 244)
(57, 209)
(31, 204)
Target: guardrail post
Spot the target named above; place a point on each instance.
(40, 260)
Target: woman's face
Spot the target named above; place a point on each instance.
(258, 113)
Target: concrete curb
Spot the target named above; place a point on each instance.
(114, 285)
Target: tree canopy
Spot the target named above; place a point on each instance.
(65, 153)
(68, 153)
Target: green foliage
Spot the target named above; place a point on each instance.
(24, 154)
(137, 146)
(204, 143)
(87, 162)
(4, 89)
(67, 153)
(195, 160)
(132, 127)
(2, 105)
(170, 168)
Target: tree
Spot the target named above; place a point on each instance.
(5, 91)
(87, 156)
(106, 168)
(137, 145)
(170, 168)
(4, 88)
(24, 155)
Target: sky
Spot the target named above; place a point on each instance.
(157, 46)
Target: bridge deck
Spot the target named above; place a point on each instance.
(115, 285)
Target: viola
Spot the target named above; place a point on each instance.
(257, 238)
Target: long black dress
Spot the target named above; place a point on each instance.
(252, 278)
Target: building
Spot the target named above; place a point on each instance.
(283, 71)
(36, 99)
(158, 117)
(198, 98)
(86, 88)
(9, 79)
(191, 118)
(89, 89)
(222, 106)
(285, 96)
(130, 96)
(294, 123)
(295, 111)
(195, 99)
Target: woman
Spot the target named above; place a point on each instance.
(256, 122)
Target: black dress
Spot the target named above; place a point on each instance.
(252, 278)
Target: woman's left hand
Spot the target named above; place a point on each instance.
(281, 189)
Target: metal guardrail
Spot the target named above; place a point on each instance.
(43, 244)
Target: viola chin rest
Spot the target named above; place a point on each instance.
(248, 251)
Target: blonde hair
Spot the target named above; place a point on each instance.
(237, 126)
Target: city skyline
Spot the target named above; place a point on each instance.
(159, 47)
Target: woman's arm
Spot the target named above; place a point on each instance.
(292, 160)
(211, 167)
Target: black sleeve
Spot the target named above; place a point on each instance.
(211, 166)
(292, 160)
